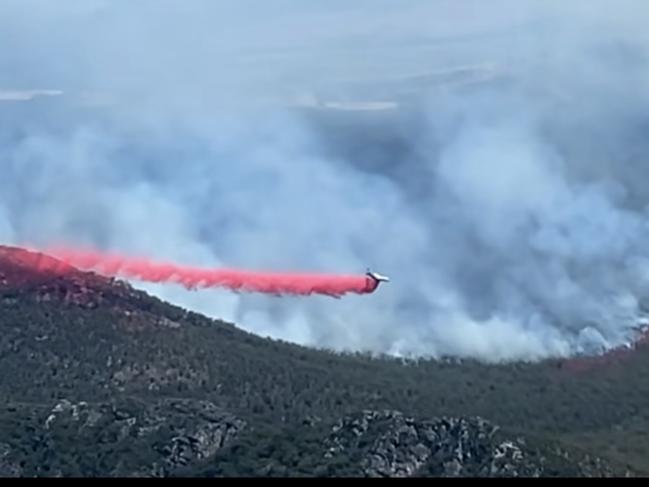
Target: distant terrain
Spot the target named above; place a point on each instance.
(100, 379)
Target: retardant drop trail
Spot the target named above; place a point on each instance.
(277, 283)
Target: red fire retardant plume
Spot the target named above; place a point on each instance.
(236, 280)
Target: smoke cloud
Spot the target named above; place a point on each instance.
(490, 159)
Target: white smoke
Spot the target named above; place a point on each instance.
(505, 194)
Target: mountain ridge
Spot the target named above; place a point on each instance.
(77, 338)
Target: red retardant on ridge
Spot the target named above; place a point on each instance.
(278, 283)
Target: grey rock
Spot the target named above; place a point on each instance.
(174, 433)
(393, 445)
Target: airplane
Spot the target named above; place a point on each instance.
(376, 280)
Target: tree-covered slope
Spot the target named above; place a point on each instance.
(136, 386)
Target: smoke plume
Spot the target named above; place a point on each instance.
(490, 159)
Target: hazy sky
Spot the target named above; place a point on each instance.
(511, 215)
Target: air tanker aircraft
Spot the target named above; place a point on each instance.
(376, 279)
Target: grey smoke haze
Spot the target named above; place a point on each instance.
(511, 213)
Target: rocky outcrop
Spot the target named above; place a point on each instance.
(389, 444)
(173, 433)
(211, 430)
